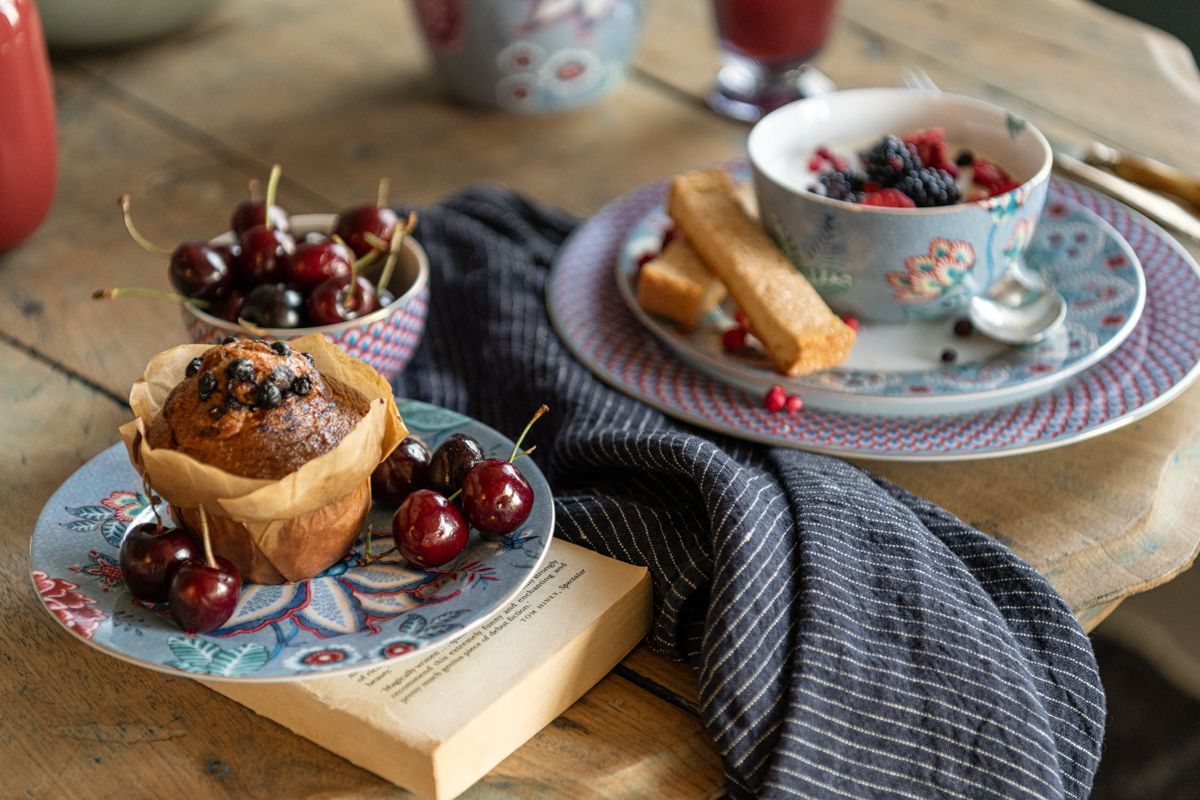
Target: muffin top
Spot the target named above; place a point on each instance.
(256, 409)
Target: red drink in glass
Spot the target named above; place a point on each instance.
(765, 45)
(28, 169)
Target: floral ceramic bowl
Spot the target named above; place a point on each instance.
(385, 339)
(891, 265)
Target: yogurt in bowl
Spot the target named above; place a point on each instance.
(885, 264)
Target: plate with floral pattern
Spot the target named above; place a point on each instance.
(899, 369)
(1155, 363)
(347, 618)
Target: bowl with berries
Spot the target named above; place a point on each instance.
(899, 205)
(358, 277)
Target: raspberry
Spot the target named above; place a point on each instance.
(992, 177)
(841, 184)
(793, 404)
(776, 399)
(931, 149)
(930, 187)
(888, 198)
(889, 161)
(852, 322)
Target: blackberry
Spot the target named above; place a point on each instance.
(841, 184)
(281, 348)
(889, 161)
(930, 187)
(192, 368)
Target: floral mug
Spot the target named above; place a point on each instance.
(530, 56)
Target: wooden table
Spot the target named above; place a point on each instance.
(340, 93)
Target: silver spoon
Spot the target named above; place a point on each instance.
(1020, 308)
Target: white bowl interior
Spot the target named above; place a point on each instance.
(782, 142)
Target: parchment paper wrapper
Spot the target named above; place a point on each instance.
(272, 530)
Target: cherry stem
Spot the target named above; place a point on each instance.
(208, 553)
(389, 266)
(157, 294)
(147, 245)
(454, 496)
(542, 409)
(372, 559)
(524, 453)
(153, 499)
(255, 188)
(272, 190)
(381, 197)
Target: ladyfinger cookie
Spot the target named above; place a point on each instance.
(677, 284)
(785, 312)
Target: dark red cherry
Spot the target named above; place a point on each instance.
(230, 252)
(496, 497)
(354, 224)
(274, 305)
(197, 270)
(249, 213)
(451, 461)
(313, 263)
(333, 301)
(229, 305)
(202, 598)
(264, 256)
(149, 557)
(402, 473)
(428, 529)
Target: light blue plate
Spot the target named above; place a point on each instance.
(347, 618)
(897, 369)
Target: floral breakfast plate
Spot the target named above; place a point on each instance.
(347, 618)
(1159, 358)
(897, 369)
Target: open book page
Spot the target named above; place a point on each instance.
(427, 723)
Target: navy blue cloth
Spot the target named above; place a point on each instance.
(849, 638)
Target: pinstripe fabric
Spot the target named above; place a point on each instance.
(850, 639)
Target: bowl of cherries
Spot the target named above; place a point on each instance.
(357, 276)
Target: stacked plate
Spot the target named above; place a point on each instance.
(1130, 343)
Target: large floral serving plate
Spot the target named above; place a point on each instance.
(1158, 360)
(347, 618)
(897, 369)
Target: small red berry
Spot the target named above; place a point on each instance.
(815, 163)
(776, 398)
(734, 340)
(888, 198)
(794, 404)
(852, 322)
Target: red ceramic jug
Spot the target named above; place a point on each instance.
(28, 146)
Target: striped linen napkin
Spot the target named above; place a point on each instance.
(849, 639)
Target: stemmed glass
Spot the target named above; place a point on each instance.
(765, 48)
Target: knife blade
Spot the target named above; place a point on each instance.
(1165, 212)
